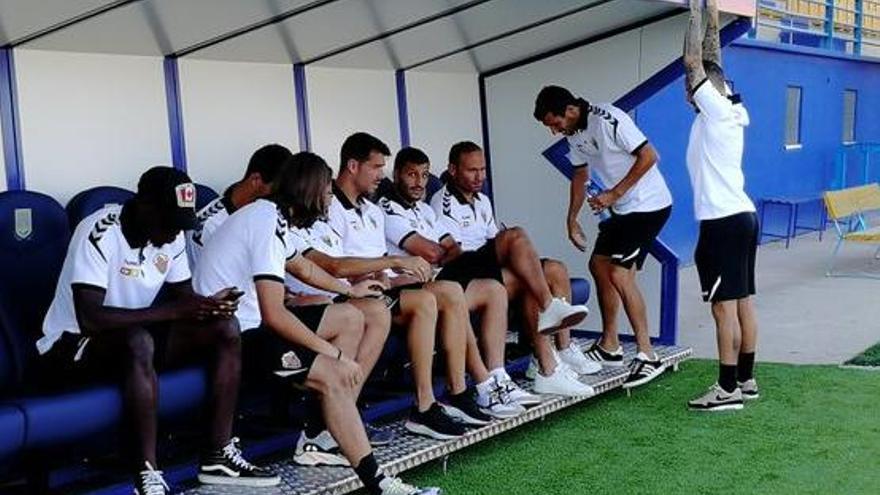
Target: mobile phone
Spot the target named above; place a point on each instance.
(233, 295)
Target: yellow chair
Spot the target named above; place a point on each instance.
(847, 209)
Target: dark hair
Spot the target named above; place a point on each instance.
(409, 155)
(358, 146)
(302, 187)
(553, 100)
(267, 162)
(714, 72)
(461, 148)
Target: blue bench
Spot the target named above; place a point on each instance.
(792, 206)
(34, 233)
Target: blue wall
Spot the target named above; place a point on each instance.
(761, 72)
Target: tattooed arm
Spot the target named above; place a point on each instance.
(712, 40)
(693, 47)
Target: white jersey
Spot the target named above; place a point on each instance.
(361, 226)
(210, 218)
(403, 220)
(470, 224)
(608, 145)
(252, 244)
(99, 256)
(714, 155)
(321, 237)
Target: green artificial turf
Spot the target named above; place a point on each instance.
(816, 429)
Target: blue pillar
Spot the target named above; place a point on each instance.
(829, 25)
(857, 31)
(175, 113)
(9, 123)
(402, 108)
(302, 107)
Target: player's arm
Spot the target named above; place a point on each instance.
(354, 267)
(693, 47)
(270, 296)
(428, 250)
(576, 197)
(646, 157)
(712, 39)
(312, 274)
(451, 248)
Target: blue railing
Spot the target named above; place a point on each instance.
(840, 25)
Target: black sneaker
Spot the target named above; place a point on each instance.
(434, 423)
(378, 437)
(150, 482)
(642, 370)
(227, 467)
(603, 357)
(465, 409)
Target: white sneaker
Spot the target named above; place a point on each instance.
(395, 486)
(514, 391)
(562, 382)
(319, 451)
(559, 315)
(534, 368)
(494, 400)
(578, 362)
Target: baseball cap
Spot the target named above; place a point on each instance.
(173, 194)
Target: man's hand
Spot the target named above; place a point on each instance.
(603, 200)
(367, 288)
(196, 307)
(351, 371)
(576, 235)
(415, 266)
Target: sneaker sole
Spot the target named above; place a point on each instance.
(644, 380)
(725, 407)
(569, 321)
(419, 429)
(314, 459)
(464, 418)
(502, 415)
(751, 397)
(530, 402)
(210, 479)
(590, 394)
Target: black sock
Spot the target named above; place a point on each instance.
(727, 377)
(314, 420)
(745, 366)
(369, 473)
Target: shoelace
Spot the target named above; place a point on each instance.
(152, 481)
(233, 454)
(397, 487)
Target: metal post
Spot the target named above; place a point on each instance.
(9, 124)
(829, 24)
(175, 113)
(857, 30)
(302, 107)
(402, 107)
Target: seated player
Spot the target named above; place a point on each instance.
(103, 324)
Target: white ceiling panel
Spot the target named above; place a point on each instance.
(20, 18)
(323, 30)
(571, 29)
(160, 27)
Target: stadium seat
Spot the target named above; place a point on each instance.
(34, 234)
(204, 195)
(91, 200)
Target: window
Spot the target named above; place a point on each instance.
(850, 99)
(793, 117)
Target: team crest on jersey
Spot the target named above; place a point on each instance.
(290, 361)
(161, 263)
(130, 271)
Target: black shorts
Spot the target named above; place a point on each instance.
(472, 265)
(264, 352)
(725, 257)
(626, 239)
(76, 359)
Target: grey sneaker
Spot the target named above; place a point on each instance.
(749, 389)
(717, 399)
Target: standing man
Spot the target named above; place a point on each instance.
(728, 242)
(604, 137)
(103, 324)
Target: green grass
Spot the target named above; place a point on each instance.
(815, 430)
(871, 357)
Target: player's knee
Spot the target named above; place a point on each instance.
(621, 277)
(375, 312)
(424, 304)
(226, 333)
(140, 348)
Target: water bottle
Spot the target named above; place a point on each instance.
(593, 189)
